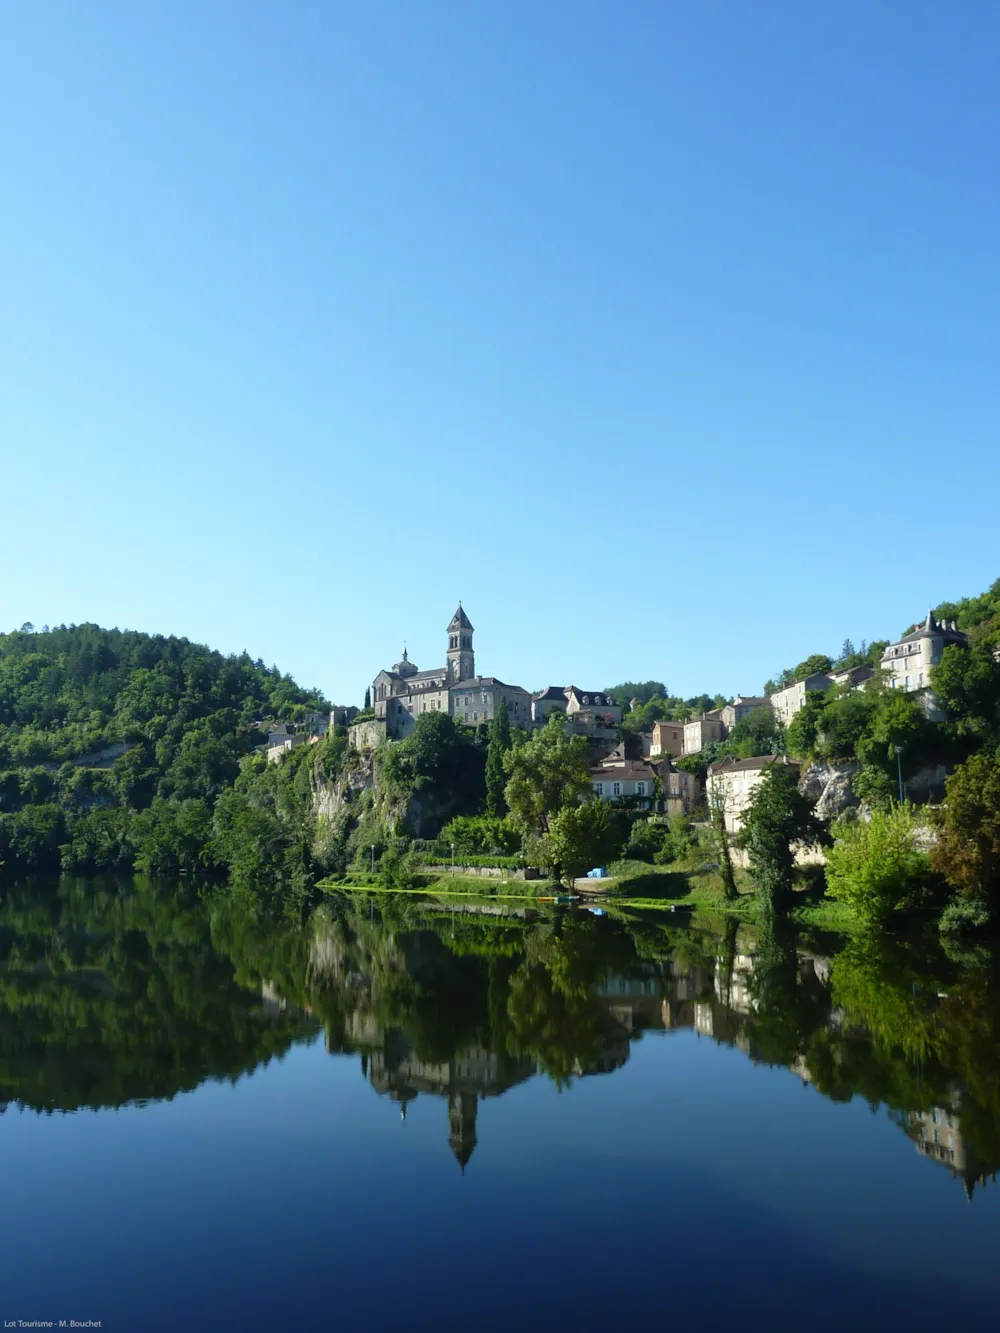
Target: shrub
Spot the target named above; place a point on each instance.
(965, 916)
(395, 868)
(875, 865)
(479, 835)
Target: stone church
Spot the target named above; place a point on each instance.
(399, 696)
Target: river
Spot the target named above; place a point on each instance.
(405, 1114)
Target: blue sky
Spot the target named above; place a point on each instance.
(664, 335)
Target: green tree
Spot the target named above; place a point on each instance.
(967, 852)
(368, 698)
(546, 773)
(721, 839)
(442, 758)
(579, 837)
(841, 722)
(31, 838)
(778, 817)
(967, 681)
(897, 720)
(760, 732)
(803, 734)
(810, 665)
(496, 778)
(876, 865)
(172, 837)
(628, 690)
(481, 835)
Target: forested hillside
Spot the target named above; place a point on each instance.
(108, 736)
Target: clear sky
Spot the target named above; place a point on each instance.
(664, 335)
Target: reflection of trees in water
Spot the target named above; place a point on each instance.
(108, 998)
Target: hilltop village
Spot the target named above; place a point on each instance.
(637, 768)
(125, 750)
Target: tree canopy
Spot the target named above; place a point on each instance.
(546, 773)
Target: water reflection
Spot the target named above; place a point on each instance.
(109, 998)
(111, 995)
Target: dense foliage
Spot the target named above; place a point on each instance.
(115, 746)
(968, 849)
(778, 818)
(654, 703)
(876, 865)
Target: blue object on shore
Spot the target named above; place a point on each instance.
(596, 873)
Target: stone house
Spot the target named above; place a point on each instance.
(279, 745)
(315, 724)
(617, 778)
(708, 727)
(741, 706)
(735, 781)
(476, 701)
(666, 738)
(552, 699)
(682, 791)
(791, 700)
(909, 661)
(594, 708)
(852, 678)
(589, 710)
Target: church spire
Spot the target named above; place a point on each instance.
(461, 656)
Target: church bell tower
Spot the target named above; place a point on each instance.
(461, 657)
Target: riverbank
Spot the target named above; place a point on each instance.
(663, 887)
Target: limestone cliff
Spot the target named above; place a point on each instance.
(828, 783)
(356, 804)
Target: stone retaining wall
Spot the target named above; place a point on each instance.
(484, 872)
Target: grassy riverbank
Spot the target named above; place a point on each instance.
(699, 887)
(471, 886)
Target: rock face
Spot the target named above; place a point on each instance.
(829, 785)
(332, 800)
(358, 792)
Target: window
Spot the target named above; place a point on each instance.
(599, 788)
(617, 789)
(640, 789)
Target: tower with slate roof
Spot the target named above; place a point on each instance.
(461, 658)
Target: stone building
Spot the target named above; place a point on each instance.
(908, 662)
(666, 738)
(852, 678)
(708, 727)
(589, 710)
(616, 778)
(740, 708)
(734, 780)
(681, 791)
(791, 700)
(399, 696)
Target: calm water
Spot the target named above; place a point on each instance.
(403, 1117)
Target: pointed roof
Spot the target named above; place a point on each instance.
(459, 620)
